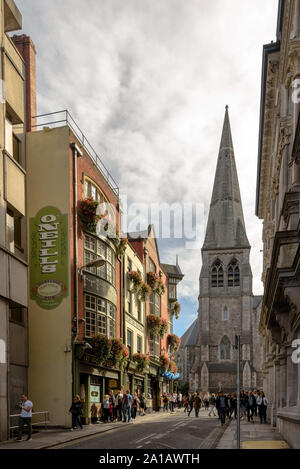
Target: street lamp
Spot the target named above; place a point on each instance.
(95, 263)
(238, 348)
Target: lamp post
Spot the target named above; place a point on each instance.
(238, 420)
(94, 263)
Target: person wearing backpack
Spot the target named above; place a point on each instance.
(212, 405)
(127, 399)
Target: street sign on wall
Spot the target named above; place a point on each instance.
(48, 257)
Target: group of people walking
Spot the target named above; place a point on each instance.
(252, 403)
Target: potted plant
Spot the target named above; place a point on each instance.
(141, 360)
(173, 342)
(123, 358)
(175, 310)
(115, 352)
(163, 327)
(160, 288)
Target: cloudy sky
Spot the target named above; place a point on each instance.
(148, 81)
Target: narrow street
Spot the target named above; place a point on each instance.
(165, 432)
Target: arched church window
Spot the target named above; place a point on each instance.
(225, 349)
(217, 275)
(233, 274)
(225, 316)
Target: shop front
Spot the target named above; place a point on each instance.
(95, 382)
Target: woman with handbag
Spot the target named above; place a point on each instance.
(76, 411)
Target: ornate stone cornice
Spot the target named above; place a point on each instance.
(284, 140)
(293, 63)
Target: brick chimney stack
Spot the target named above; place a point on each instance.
(27, 50)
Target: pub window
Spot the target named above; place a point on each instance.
(129, 342)
(154, 345)
(139, 310)
(129, 302)
(94, 249)
(139, 347)
(100, 316)
(217, 275)
(154, 304)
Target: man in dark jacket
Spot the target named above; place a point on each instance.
(222, 406)
(250, 406)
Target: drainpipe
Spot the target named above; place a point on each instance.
(76, 153)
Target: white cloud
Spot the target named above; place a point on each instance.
(148, 81)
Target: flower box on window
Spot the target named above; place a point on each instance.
(141, 361)
(173, 342)
(175, 310)
(88, 215)
(136, 279)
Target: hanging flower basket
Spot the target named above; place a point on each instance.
(154, 324)
(144, 291)
(115, 352)
(152, 280)
(175, 310)
(164, 362)
(124, 358)
(122, 247)
(101, 347)
(163, 327)
(160, 288)
(87, 214)
(173, 368)
(173, 342)
(136, 279)
(141, 360)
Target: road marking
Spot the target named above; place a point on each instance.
(145, 438)
(139, 446)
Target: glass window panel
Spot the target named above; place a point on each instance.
(102, 324)
(93, 192)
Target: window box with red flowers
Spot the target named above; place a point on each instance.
(154, 324)
(144, 291)
(124, 358)
(136, 280)
(173, 342)
(88, 215)
(175, 310)
(141, 361)
(155, 283)
(163, 327)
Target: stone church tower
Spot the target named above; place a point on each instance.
(226, 304)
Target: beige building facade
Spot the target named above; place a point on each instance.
(278, 205)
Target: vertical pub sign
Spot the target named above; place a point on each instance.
(48, 257)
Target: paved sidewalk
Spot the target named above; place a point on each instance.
(52, 437)
(253, 436)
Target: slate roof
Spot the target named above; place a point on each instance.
(190, 337)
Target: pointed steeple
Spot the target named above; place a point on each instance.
(226, 225)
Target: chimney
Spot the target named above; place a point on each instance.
(27, 50)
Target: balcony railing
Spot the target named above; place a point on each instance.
(61, 118)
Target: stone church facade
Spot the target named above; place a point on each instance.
(227, 306)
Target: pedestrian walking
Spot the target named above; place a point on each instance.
(212, 405)
(25, 417)
(106, 405)
(192, 403)
(243, 404)
(76, 411)
(94, 413)
(222, 406)
(112, 410)
(142, 404)
(197, 404)
(173, 402)
(127, 399)
(179, 400)
(134, 406)
(118, 402)
(165, 400)
(262, 403)
(250, 406)
(255, 395)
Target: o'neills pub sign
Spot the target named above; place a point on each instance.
(48, 257)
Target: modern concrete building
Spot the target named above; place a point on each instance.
(226, 302)
(278, 205)
(16, 110)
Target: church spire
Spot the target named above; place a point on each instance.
(226, 225)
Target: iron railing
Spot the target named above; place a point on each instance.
(61, 118)
(40, 419)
